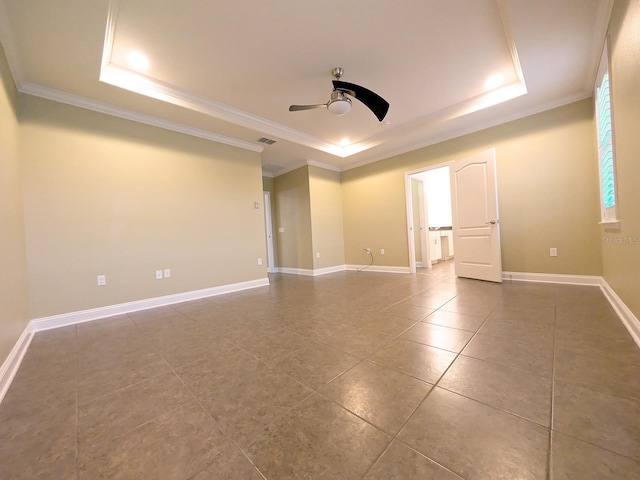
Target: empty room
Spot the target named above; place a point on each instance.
(320, 240)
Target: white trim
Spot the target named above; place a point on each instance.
(490, 122)
(610, 223)
(626, 315)
(326, 166)
(341, 268)
(290, 168)
(378, 268)
(312, 272)
(11, 364)
(552, 278)
(56, 321)
(306, 163)
(81, 102)
(296, 271)
(326, 270)
(132, 81)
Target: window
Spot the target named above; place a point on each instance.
(606, 157)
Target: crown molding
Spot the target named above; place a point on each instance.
(130, 80)
(306, 163)
(81, 102)
(326, 166)
(456, 133)
(123, 77)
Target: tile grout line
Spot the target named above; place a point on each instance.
(204, 410)
(395, 437)
(553, 385)
(77, 382)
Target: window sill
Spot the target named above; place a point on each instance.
(610, 223)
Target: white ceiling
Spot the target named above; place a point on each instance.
(228, 70)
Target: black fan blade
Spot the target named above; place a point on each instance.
(297, 108)
(378, 105)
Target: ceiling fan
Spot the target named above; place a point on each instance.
(340, 103)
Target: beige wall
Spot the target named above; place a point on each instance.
(293, 214)
(108, 196)
(621, 248)
(547, 190)
(13, 277)
(327, 232)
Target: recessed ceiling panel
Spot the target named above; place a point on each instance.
(261, 57)
(228, 70)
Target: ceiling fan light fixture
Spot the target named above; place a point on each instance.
(339, 107)
(339, 104)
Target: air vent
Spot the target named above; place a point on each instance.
(266, 140)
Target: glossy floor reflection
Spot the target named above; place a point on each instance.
(344, 376)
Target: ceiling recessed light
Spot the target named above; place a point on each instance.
(344, 142)
(138, 61)
(494, 81)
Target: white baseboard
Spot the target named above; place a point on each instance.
(56, 321)
(378, 268)
(552, 278)
(628, 319)
(312, 273)
(11, 364)
(626, 316)
(341, 268)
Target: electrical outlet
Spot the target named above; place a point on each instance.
(102, 280)
(167, 272)
(367, 250)
(553, 252)
(317, 254)
(382, 251)
(158, 274)
(259, 261)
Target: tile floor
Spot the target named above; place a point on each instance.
(345, 376)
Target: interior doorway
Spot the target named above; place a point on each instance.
(474, 232)
(268, 227)
(430, 217)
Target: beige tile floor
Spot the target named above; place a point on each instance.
(345, 376)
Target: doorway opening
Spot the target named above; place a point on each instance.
(268, 227)
(475, 224)
(431, 222)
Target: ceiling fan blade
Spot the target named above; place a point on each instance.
(297, 108)
(378, 105)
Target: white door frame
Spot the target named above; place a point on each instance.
(409, 207)
(268, 227)
(424, 225)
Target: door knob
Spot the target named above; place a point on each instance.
(492, 222)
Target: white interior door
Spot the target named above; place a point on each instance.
(476, 225)
(271, 266)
